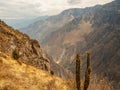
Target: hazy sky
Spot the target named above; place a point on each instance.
(29, 8)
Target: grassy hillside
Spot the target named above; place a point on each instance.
(18, 76)
(29, 51)
(15, 75)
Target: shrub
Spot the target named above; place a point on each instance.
(15, 55)
(51, 72)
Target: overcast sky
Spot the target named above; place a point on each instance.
(10, 9)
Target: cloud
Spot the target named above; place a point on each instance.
(73, 2)
(33, 8)
(19, 9)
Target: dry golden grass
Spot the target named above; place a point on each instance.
(100, 84)
(95, 84)
(14, 76)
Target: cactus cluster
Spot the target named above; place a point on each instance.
(78, 72)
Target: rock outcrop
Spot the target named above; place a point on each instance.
(27, 50)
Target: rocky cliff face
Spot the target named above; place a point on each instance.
(93, 25)
(42, 28)
(27, 50)
(24, 49)
(96, 31)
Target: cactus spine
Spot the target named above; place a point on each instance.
(87, 73)
(78, 72)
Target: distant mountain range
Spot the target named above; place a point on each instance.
(24, 22)
(43, 28)
(95, 29)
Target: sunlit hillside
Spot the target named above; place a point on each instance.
(59, 45)
(18, 76)
(15, 75)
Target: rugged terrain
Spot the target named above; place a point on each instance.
(96, 30)
(28, 51)
(42, 28)
(20, 76)
(18, 72)
(16, 76)
(23, 22)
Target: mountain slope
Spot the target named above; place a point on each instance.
(28, 50)
(40, 29)
(25, 22)
(98, 32)
(24, 49)
(15, 76)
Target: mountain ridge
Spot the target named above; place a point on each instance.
(96, 31)
(103, 41)
(19, 46)
(53, 23)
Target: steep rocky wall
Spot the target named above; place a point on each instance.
(28, 50)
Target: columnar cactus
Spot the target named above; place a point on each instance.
(78, 72)
(87, 73)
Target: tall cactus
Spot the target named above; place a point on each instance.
(78, 72)
(87, 73)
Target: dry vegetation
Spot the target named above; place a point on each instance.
(95, 84)
(100, 84)
(16, 76)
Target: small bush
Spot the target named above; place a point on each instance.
(51, 72)
(15, 55)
